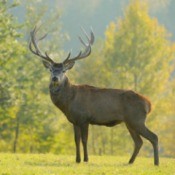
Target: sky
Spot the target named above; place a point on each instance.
(98, 14)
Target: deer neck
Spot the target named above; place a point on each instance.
(60, 95)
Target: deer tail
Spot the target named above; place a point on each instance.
(147, 106)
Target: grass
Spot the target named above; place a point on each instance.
(49, 164)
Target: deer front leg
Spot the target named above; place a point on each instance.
(84, 137)
(77, 136)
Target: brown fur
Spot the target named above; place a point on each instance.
(84, 105)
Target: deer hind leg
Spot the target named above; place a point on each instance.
(149, 135)
(137, 141)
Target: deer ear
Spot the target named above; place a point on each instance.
(68, 66)
(46, 64)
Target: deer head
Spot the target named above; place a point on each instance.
(58, 69)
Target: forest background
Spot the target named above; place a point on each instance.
(134, 49)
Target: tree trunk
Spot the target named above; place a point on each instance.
(16, 135)
(93, 140)
(112, 141)
(103, 145)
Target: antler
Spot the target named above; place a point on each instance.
(36, 50)
(87, 50)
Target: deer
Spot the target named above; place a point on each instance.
(84, 104)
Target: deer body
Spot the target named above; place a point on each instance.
(92, 105)
(84, 104)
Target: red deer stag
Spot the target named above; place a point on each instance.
(84, 104)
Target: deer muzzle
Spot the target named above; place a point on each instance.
(55, 81)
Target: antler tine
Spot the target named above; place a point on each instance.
(84, 31)
(82, 41)
(36, 49)
(68, 56)
(87, 46)
(30, 47)
(76, 57)
(44, 36)
(92, 37)
(32, 41)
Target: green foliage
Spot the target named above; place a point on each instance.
(11, 50)
(136, 54)
(47, 164)
(137, 45)
(27, 118)
(138, 49)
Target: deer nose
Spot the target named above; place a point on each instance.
(54, 79)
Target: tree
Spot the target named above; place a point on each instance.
(35, 116)
(26, 117)
(139, 50)
(10, 49)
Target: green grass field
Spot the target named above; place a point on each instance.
(48, 164)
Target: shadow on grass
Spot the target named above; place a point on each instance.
(74, 164)
(49, 164)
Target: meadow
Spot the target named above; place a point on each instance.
(49, 164)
